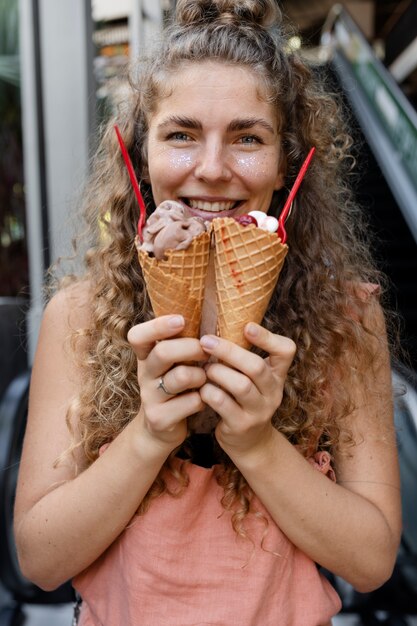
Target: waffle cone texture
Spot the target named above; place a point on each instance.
(247, 262)
(176, 284)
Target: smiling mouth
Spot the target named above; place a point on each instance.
(212, 207)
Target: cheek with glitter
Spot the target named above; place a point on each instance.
(248, 161)
(180, 161)
(253, 166)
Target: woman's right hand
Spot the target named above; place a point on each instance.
(162, 355)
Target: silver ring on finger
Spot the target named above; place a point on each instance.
(161, 385)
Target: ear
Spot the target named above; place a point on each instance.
(280, 179)
(282, 169)
(145, 174)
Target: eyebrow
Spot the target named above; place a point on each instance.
(184, 122)
(248, 123)
(235, 125)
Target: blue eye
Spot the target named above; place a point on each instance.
(178, 136)
(249, 140)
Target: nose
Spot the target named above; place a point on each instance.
(213, 163)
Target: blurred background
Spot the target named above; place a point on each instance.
(63, 68)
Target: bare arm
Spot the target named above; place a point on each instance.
(353, 527)
(62, 523)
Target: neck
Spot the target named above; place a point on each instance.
(206, 420)
(209, 311)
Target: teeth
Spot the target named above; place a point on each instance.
(214, 207)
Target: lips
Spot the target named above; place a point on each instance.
(209, 209)
(214, 207)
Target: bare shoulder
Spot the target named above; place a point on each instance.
(366, 309)
(56, 361)
(70, 307)
(371, 387)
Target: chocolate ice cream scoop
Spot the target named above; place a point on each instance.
(168, 228)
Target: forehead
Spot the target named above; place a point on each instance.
(197, 87)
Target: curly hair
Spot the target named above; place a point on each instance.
(318, 302)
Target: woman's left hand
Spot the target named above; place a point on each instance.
(244, 389)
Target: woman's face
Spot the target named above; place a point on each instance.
(213, 142)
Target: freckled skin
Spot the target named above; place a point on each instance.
(181, 161)
(253, 165)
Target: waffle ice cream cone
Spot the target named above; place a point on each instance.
(248, 261)
(176, 283)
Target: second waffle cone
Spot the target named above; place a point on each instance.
(248, 261)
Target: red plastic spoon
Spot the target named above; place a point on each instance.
(288, 204)
(134, 182)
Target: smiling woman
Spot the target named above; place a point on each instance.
(188, 480)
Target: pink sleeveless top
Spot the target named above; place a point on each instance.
(182, 564)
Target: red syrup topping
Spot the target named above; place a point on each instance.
(237, 278)
(231, 261)
(246, 220)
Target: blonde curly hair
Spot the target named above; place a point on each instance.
(316, 302)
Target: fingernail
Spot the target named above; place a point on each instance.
(252, 330)
(209, 342)
(176, 321)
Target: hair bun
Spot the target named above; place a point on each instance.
(261, 12)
